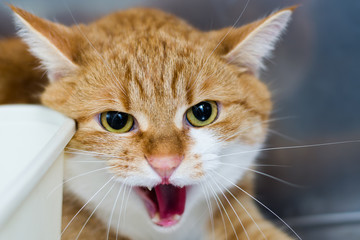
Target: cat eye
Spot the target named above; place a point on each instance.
(202, 113)
(116, 122)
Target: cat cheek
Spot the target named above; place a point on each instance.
(205, 142)
(255, 134)
(187, 173)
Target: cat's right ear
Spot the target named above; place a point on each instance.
(248, 46)
(48, 41)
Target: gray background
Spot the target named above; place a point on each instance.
(315, 79)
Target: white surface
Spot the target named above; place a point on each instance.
(38, 217)
(31, 139)
(19, 144)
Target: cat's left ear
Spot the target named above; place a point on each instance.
(249, 45)
(48, 41)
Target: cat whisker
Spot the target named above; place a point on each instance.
(259, 202)
(268, 165)
(93, 153)
(261, 122)
(282, 135)
(104, 158)
(78, 212)
(75, 150)
(126, 203)
(223, 207)
(87, 220)
(211, 190)
(120, 212)
(264, 174)
(290, 147)
(87, 154)
(97, 52)
(79, 151)
(221, 40)
(237, 216)
(80, 161)
(243, 207)
(75, 177)
(211, 213)
(243, 130)
(113, 209)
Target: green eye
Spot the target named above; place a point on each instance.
(117, 122)
(202, 113)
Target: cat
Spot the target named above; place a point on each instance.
(169, 121)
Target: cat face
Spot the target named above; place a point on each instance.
(165, 106)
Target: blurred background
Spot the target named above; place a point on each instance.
(315, 79)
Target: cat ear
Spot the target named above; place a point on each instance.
(48, 41)
(251, 44)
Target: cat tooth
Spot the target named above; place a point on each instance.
(156, 218)
(150, 188)
(176, 217)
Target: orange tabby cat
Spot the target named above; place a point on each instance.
(170, 120)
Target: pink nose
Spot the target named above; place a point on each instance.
(164, 165)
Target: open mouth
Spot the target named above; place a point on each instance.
(165, 203)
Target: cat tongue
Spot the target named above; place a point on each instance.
(165, 203)
(171, 200)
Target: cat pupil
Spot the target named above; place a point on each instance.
(117, 120)
(202, 111)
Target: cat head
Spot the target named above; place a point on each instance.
(164, 105)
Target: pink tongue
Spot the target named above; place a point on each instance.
(171, 200)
